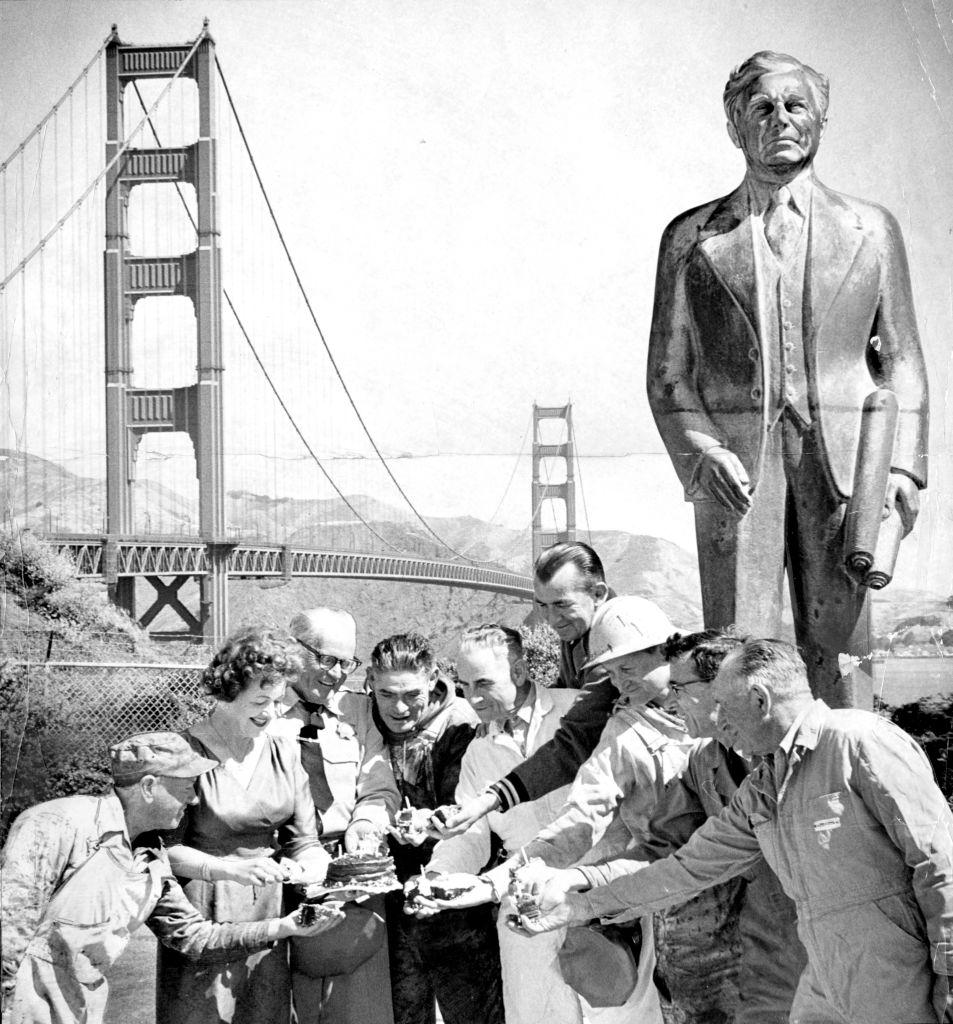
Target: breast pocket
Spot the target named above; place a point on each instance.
(341, 752)
(835, 822)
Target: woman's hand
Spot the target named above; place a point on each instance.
(253, 871)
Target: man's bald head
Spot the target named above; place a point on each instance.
(325, 634)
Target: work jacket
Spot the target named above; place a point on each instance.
(73, 891)
(848, 816)
(347, 763)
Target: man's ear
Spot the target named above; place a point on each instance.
(519, 672)
(733, 133)
(147, 788)
(760, 695)
(600, 592)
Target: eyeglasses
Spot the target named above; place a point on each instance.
(328, 661)
(677, 688)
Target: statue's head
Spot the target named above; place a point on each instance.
(777, 110)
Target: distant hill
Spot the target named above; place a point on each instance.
(41, 494)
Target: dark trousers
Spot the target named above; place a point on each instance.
(453, 957)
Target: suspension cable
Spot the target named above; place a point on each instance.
(582, 490)
(261, 365)
(56, 105)
(102, 174)
(317, 326)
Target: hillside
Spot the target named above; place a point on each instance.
(49, 497)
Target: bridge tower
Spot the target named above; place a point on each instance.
(548, 492)
(197, 409)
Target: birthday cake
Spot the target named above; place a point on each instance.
(360, 869)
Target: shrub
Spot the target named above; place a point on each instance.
(45, 581)
(31, 567)
(929, 722)
(541, 646)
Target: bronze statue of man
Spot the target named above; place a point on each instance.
(778, 309)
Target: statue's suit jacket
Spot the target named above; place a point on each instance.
(709, 373)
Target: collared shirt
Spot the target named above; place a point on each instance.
(49, 843)
(357, 773)
(489, 757)
(760, 194)
(860, 837)
(641, 750)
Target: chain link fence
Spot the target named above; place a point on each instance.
(58, 718)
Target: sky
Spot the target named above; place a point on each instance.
(474, 193)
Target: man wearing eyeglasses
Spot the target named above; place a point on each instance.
(354, 793)
(341, 749)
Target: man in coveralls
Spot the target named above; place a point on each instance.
(845, 811)
(75, 886)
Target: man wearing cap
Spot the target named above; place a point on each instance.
(75, 886)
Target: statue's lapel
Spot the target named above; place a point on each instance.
(725, 240)
(836, 235)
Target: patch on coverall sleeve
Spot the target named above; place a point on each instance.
(943, 958)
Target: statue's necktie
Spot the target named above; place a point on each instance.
(782, 224)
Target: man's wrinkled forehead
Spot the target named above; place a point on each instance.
(788, 81)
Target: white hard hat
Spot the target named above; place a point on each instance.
(625, 625)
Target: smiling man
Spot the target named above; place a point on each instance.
(778, 309)
(845, 811)
(517, 718)
(731, 952)
(569, 588)
(77, 881)
(354, 793)
(452, 957)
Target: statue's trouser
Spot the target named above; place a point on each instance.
(795, 521)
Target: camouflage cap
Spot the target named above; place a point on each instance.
(156, 753)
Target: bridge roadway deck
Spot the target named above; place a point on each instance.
(112, 557)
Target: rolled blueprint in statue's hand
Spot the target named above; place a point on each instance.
(885, 556)
(878, 429)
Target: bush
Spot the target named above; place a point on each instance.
(45, 581)
(929, 722)
(31, 567)
(541, 646)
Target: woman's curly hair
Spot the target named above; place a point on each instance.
(253, 653)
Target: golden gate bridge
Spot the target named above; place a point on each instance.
(193, 278)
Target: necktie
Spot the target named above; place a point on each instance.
(315, 720)
(782, 224)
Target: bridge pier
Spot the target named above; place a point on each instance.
(132, 412)
(213, 598)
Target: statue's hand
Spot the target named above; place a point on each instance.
(722, 476)
(903, 494)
